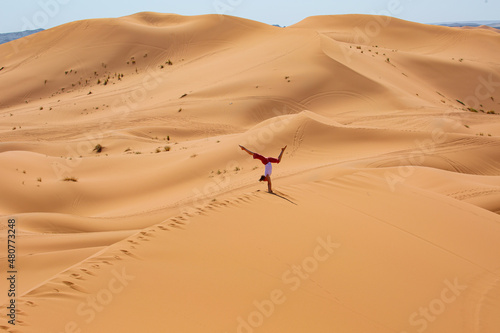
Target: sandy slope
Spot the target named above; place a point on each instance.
(386, 213)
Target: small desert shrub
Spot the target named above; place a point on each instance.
(70, 179)
(98, 148)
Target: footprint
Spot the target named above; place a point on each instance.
(74, 286)
(86, 271)
(77, 276)
(163, 228)
(127, 253)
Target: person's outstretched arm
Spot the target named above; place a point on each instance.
(248, 151)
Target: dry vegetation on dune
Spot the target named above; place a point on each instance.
(136, 210)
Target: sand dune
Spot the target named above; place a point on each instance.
(385, 213)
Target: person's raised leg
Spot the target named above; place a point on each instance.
(248, 151)
(281, 154)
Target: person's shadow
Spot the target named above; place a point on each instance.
(280, 195)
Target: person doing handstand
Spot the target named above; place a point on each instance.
(267, 161)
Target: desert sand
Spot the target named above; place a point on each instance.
(386, 212)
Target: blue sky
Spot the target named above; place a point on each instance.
(20, 15)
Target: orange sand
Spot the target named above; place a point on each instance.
(386, 213)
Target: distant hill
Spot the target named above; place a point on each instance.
(493, 24)
(10, 36)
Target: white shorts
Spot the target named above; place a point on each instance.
(269, 169)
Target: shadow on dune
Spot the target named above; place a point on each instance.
(282, 196)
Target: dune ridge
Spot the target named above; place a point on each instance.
(137, 211)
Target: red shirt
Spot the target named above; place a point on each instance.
(265, 160)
